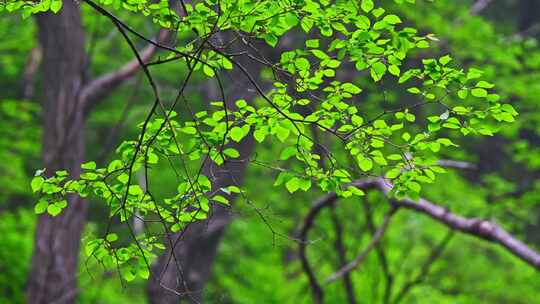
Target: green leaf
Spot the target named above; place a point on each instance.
(291, 19)
(392, 19)
(394, 70)
(422, 44)
(53, 210)
(356, 191)
(226, 63)
(237, 134)
(333, 63)
(41, 206)
(306, 24)
(123, 178)
(365, 163)
(241, 103)
(302, 63)
(189, 130)
(111, 237)
(479, 92)
(288, 153)
(61, 204)
(393, 173)
(305, 184)
(89, 165)
(127, 274)
(445, 60)
(221, 199)
(329, 73)
(271, 39)
(367, 5)
(114, 165)
(351, 88)
(143, 272)
(135, 190)
(37, 183)
(485, 85)
(357, 120)
(293, 184)
(319, 54)
(282, 133)
(56, 6)
(378, 12)
(208, 71)
(312, 43)
(378, 69)
(260, 134)
(231, 152)
(414, 90)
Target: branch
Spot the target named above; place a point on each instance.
(480, 228)
(449, 163)
(103, 85)
(360, 257)
(341, 250)
(30, 70)
(109, 142)
(479, 6)
(424, 270)
(389, 276)
(320, 204)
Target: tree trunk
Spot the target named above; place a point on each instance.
(52, 277)
(529, 15)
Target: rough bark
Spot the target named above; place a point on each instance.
(52, 277)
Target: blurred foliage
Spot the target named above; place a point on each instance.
(255, 264)
(17, 231)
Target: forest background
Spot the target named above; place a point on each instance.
(288, 226)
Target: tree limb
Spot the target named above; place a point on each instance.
(389, 276)
(319, 205)
(360, 257)
(424, 270)
(480, 228)
(341, 251)
(479, 6)
(30, 70)
(103, 85)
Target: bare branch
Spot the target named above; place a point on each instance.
(111, 140)
(342, 252)
(389, 276)
(103, 85)
(360, 257)
(480, 228)
(457, 164)
(479, 6)
(319, 205)
(30, 70)
(426, 266)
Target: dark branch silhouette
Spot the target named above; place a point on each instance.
(484, 229)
